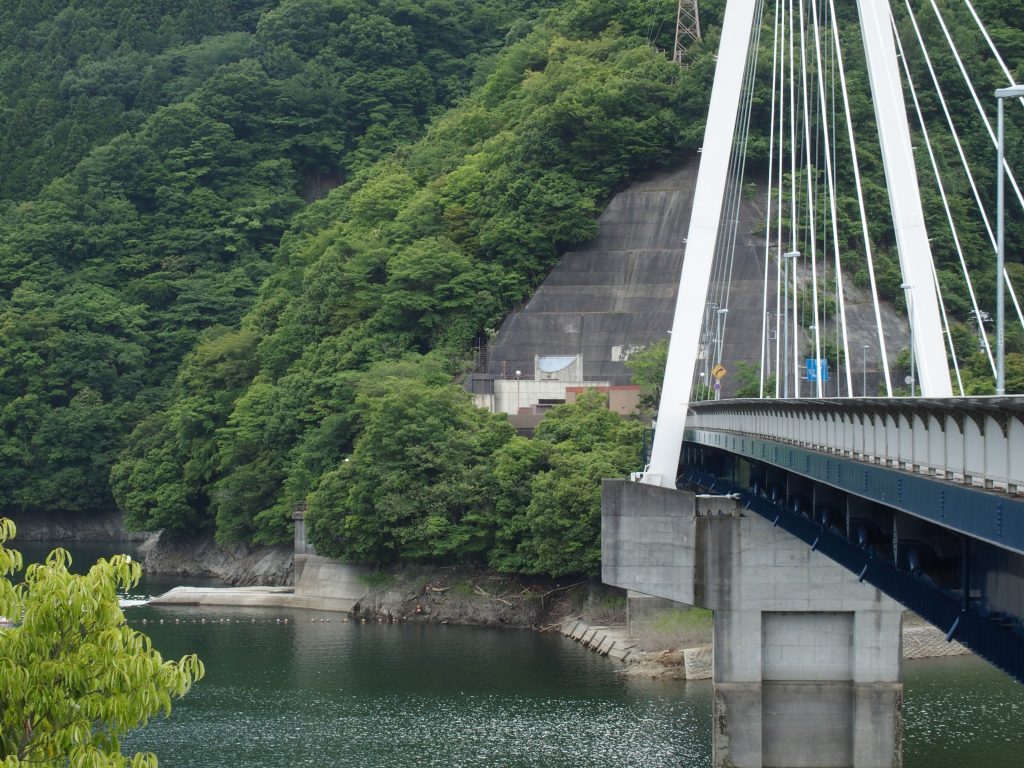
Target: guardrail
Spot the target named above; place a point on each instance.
(977, 441)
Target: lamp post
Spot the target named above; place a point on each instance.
(819, 386)
(786, 258)
(908, 289)
(864, 372)
(721, 319)
(710, 344)
(1002, 94)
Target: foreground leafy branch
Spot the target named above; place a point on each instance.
(74, 677)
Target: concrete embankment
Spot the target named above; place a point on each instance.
(421, 594)
(323, 585)
(237, 597)
(920, 641)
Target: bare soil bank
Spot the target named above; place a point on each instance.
(454, 595)
(421, 593)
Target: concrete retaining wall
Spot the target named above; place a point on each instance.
(323, 585)
(328, 585)
(612, 642)
(695, 663)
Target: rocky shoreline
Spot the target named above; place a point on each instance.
(920, 641)
(108, 526)
(592, 614)
(237, 565)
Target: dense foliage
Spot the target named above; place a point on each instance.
(76, 74)
(379, 290)
(160, 237)
(185, 329)
(245, 246)
(433, 478)
(75, 677)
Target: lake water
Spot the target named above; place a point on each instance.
(312, 693)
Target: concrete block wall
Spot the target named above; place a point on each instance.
(326, 584)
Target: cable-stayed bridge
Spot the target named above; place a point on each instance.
(805, 521)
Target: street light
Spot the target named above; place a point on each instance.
(864, 372)
(786, 258)
(909, 290)
(721, 319)
(1002, 94)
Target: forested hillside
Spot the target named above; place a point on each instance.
(187, 327)
(112, 272)
(245, 246)
(338, 385)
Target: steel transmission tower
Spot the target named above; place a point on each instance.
(687, 28)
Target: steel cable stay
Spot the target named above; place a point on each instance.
(949, 219)
(713, 302)
(991, 45)
(961, 153)
(716, 308)
(780, 363)
(822, 210)
(734, 220)
(811, 211)
(812, 237)
(833, 208)
(988, 127)
(883, 355)
(794, 214)
(974, 96)
(765, 352)
(840, 291)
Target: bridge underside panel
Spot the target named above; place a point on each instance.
(996, 519)
(807, 658)
(970, 588)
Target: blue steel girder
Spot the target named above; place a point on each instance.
(992, 517)
(997, 637)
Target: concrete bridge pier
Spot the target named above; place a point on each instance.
(806, 658)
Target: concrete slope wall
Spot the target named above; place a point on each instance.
(619, 291)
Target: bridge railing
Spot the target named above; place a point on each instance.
(977, 441)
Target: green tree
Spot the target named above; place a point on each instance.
(410, 259)
(748, 380)
(419, 485)
(74, 677)
(647, 370)
(555, 526)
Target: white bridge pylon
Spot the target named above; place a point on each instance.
(904, 198)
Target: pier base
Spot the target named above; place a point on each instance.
(806, 658)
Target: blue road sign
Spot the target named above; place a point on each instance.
(812, 369)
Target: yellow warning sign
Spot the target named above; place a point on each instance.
(719, 371)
